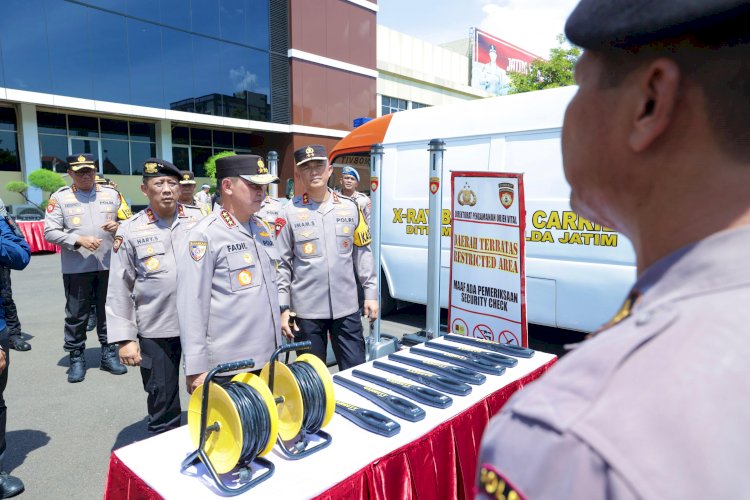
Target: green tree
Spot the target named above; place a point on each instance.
(45, 180)
(547, 74)
(210, 164)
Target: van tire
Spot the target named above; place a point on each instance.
(387, 303)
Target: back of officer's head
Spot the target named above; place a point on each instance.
(709, 40)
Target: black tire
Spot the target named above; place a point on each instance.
(387, 303)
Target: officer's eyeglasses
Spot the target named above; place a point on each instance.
(84, 173)
(316, 167)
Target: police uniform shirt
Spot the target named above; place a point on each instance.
(144, 264)
(72, 213)
(227, 300)
(317, 244)
(270, 210)
(653, 407)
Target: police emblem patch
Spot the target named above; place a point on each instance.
(149, 249)
(346, 229)
(308, 248)
(198, 249)
(76, 221)
(150, 168)
(506, 193)
(245, 277)
(247, 258)
(51, 205)
(152, 264)
(280, 222)
(117, 243)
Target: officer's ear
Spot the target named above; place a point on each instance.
(655, 94)
(144, 188)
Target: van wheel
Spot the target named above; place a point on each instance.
(387, 303)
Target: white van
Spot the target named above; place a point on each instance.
(577, 273)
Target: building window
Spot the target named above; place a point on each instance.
(191, 147)
(417, 105)
(9, 141)
(392, 105)
(119, 147)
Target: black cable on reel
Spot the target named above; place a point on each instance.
(256, 424)
(313, 396)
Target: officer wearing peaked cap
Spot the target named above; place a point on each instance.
(323, 241)
(187, 191)
(227, 299)
(142, 295)
(655, 145)
(82, 220)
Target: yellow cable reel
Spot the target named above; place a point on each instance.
(290, 409)
(325, 376)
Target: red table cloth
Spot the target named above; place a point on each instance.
(33, 231)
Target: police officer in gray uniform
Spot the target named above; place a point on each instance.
(270, 210)
(323, 241)
(82, 220)
(349, 184)
(227, 300)
(655, 145)
(142, 296)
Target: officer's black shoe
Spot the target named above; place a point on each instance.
(19, 344)
(77, 370)
(111, 360)
(92, 319)
(10, 486)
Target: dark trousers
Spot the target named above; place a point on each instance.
(3, 384)
(11, 313)
(78, 289)
(160, 372)
(348, 342)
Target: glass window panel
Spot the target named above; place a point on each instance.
(139, 153)
(116, 157)
(181, 157)
(232, 15)
(70, 56)
(200, 155)
(200, 137)
(241, 141)
(145, 9)
(8, 119)
(23, 38)
(223, 139)
(114, 129)
(180, 135)
(175, 13)
(116, 5)
(51, 123)
(178, 71)
(9, 152)
(208, 75)
(244, 81)
(205, 17)
(54, 149)
(256, 20)
(146, 70)
(85, 126)
(80, 145)
(143, 131)
(109, 57)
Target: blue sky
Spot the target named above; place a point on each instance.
(529, 24)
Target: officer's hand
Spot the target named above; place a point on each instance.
(110, 226)
(371, 309)
(3, 361)
(130, 353)
(193, 381)
(89, 242)
(286, 328)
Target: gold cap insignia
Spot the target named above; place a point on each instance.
(310, 152)
(150, 167)
(262, 167)
(186, 177)
(81, 158)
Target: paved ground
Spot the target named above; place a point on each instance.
(60, 435)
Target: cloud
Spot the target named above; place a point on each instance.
(242, 79)
(530, 24)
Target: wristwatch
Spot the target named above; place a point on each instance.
(283, 308)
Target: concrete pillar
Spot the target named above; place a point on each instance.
(164, 140)
(28, 144)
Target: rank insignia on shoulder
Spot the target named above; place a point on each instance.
(150, 214)
(227, 218)
(280, 222)
(180, 210)
(198, 249)
(305, 199)
(117, 243)
(492, 484)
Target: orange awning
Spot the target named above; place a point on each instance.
(363, 137)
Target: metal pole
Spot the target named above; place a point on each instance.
(273, 169)
(376, 163)
(434, 249)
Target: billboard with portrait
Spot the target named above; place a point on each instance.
(492, 59)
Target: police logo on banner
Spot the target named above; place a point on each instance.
(198, 250)
(506, 193)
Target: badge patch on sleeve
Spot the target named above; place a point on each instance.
(280, 223)
(198, 249)
(51, 205)
(492, 484)
(117, 243)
